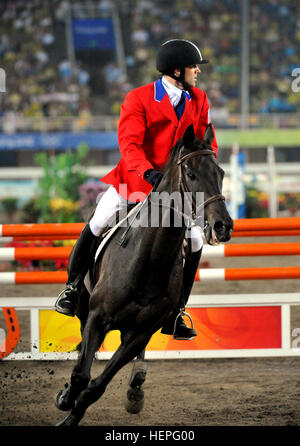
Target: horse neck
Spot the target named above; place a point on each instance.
(164, 236)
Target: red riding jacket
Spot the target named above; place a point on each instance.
(148, 129)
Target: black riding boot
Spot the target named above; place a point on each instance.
(82, 256)
(181, 331)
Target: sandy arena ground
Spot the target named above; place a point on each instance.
(202, 392)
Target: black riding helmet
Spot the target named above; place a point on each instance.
(178, 53)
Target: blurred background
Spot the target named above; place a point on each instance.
(67, 66)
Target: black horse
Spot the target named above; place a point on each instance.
(138, 283)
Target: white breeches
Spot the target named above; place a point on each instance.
(111, 202)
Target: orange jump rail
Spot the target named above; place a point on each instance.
(262, 249)
(267, 224)
(225, 250)
(41, 229)
(213, 274)
(73, 229)
(29, 253)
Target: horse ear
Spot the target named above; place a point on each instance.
(209, 135)
(189, 136)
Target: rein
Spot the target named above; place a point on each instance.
(182, 187)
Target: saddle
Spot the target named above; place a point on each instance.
(109, 231)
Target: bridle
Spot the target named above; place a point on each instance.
(184, 190)
(183, 187)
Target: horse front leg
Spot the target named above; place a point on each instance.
(82, 312)
(93, 336)
(132, 344)
(134, 400)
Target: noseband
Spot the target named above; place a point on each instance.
(182, 184)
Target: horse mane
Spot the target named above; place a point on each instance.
(173, 154)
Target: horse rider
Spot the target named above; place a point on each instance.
(152, 118)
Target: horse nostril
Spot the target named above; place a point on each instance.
(219, 226)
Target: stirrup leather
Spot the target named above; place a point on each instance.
(71, 286)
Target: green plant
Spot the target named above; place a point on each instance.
(10, 205)
(63, 174)
(31, 211)
(256, 203)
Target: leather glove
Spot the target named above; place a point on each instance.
(153, 176)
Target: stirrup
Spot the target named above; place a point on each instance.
(182, 313)
(65, 310)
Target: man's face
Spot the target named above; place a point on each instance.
(191, 73)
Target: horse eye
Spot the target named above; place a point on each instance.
(190, 173)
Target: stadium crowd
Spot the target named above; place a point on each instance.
(33, 54)
(275, 52)
(215, 25)
(40, 82)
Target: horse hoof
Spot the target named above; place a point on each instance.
(62, 401)
(134, 402)
(70, 420)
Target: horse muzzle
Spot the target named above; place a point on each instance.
(218, 232)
